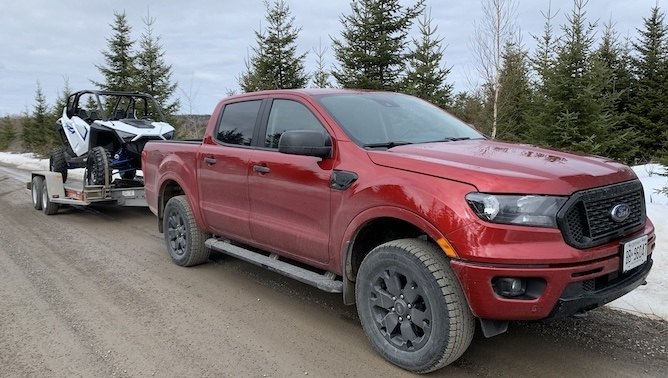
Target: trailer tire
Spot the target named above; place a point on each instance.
(98, 171)
(36, 192)
(48, 207)
(185, 241)
(412, 307)
(57, 161)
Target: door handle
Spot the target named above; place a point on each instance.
(210, 160)
(261, 169)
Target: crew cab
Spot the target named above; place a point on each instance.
(413, 215)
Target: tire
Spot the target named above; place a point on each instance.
(98, 171)
(48, 207)
(185, 241)
(129, 174)
(408, 287)
(57, 162)
(36, 192)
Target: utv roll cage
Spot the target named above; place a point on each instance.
(123, 105)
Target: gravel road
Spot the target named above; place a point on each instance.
(92, 292)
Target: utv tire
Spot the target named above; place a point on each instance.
(36, 192)
(411, 306)
(48, 207)
(98, 171)
(57, 162)
(185, 241)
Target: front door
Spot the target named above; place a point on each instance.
(290, 194)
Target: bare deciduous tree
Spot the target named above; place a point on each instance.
(492, 33)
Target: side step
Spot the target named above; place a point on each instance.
(324, 282)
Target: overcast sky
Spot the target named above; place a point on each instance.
(206, 41)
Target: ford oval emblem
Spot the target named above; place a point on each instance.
(620, 212)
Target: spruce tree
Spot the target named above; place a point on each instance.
(39, 135)
(119, 69)
(7, 132)
(275, 63)
(154, 75)
(649, 97)
(61, 101)
(515, 94)
(426, 77)
(577, 112)
(371, 49)
(320, 77)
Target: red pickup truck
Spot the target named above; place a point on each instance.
(408, 212)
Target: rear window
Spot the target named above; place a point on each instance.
(238, 123)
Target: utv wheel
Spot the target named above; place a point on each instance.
(185, 241)
(36, 192)
(411, 306)
(97, 167)
(48, 207)
(57, 162)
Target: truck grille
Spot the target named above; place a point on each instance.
(585, 220)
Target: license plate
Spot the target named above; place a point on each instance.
(128, 193)
(635, 253)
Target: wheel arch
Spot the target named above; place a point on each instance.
(171, 187)
(374, 227)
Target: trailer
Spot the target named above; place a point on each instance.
(49, 192)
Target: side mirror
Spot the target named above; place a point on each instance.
(305, 142)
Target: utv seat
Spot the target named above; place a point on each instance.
(120, 114)
(82, 113)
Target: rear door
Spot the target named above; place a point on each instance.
(223, 170)
(290, 194)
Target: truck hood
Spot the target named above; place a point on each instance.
(497, 167)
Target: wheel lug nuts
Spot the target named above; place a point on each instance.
(392, 309)
(394, 298)
(408, 317)
(410, 305)
(400, 318)
(401, 296)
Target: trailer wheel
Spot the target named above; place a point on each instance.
(36, 192)
(185, 241)
(97, 167)
(48, 207)
(411, 306)
(57, 162)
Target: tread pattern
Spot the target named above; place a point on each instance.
(98, 166)
(461, 320)
(57, 162)
(198, 253)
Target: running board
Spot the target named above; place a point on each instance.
(326, 282)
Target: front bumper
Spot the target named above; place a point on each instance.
(567, 289)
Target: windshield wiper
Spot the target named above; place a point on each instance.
(454, 139)
(389, 144)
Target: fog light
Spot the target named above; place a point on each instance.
(509, 287)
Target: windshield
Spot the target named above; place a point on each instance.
(382, 119)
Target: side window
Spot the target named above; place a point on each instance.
(238, 122)
(286, 115)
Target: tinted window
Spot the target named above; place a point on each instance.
(288, 115)
(378, 117)
(238, 122)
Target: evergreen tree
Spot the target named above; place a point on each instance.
(617, 59)
(425, 76)
(119, 69)
(470, 108)
(576, 112)
(61, 101)
(515, 94)
(371, 51)
(154, 75)
(275, 63)
(649, 97)
(321, 75)
(7, 132)
(39, 135)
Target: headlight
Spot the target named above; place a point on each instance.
(527, 210)
(168, 135)
(125, 135)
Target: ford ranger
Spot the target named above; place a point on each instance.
(413, 215)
